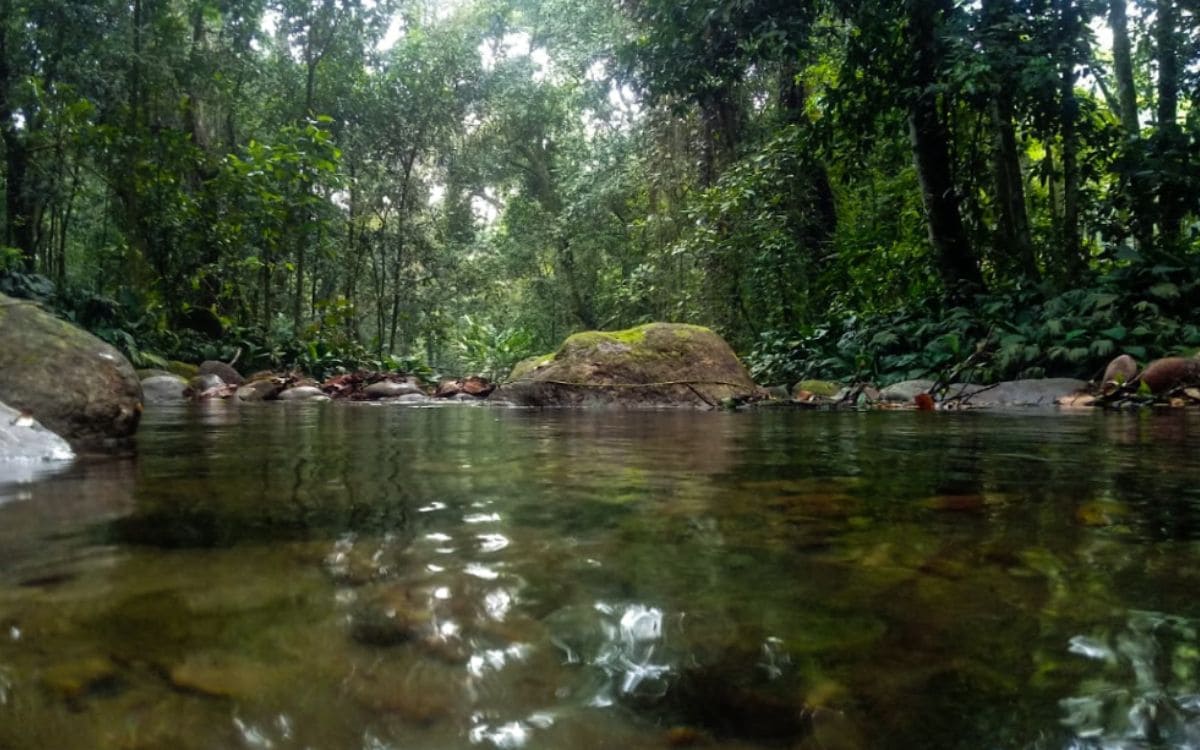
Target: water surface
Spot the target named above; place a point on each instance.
(361, 576)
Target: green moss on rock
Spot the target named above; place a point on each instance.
(656, 364)
(822, 388)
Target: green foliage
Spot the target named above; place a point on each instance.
(1020, 334)
(487, 350)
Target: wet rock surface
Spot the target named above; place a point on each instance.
(392, 389)
(70, 381)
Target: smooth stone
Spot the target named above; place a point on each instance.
(414, 398)
(221, 677)
(1035, 392)
(27, 448)
(391, 389)
(302, 393)
(1165, 374)
(1119, 371)
(904, 391)
(163, 389)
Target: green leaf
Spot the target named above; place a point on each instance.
(1165, 290)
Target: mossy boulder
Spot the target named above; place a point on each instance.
(72, 382)
(657, 364)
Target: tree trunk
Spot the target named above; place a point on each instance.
(1068, 119)
(957, 265)
(1013, 216)
(1123, 68)
(792, 98)
(1013, 241)
(18, 208)
(1169, 140)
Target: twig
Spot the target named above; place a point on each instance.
(945, 380)
(963, 397)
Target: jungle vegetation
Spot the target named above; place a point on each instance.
(870, 189)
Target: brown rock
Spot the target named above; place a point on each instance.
(1167, 373)
(1119, 372)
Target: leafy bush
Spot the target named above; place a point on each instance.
(1136, 309)
(490, 351)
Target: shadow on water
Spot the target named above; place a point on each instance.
(363, 576)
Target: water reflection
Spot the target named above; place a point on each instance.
(327, 577)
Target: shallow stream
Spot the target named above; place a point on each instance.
(353, 576)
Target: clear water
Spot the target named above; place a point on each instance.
(355, 576)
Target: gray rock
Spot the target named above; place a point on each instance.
(414, 398)
(1037, 392)
(204, 382)
(389, 389)
(302, 393)
(259, 390)
(905, 391)
(163, 389)
(221, 370)
(26, 447)
(75, 384)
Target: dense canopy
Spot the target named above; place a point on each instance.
(843, 188)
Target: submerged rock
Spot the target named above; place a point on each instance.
(302, 393)
(221, 676)
(164, 389)
(657, 364)
(72, 382)
(75, 679)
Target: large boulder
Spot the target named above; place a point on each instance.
(69, 380)
(657, 364)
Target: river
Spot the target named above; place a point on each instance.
(373, 577)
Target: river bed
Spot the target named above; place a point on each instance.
(371, 577)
